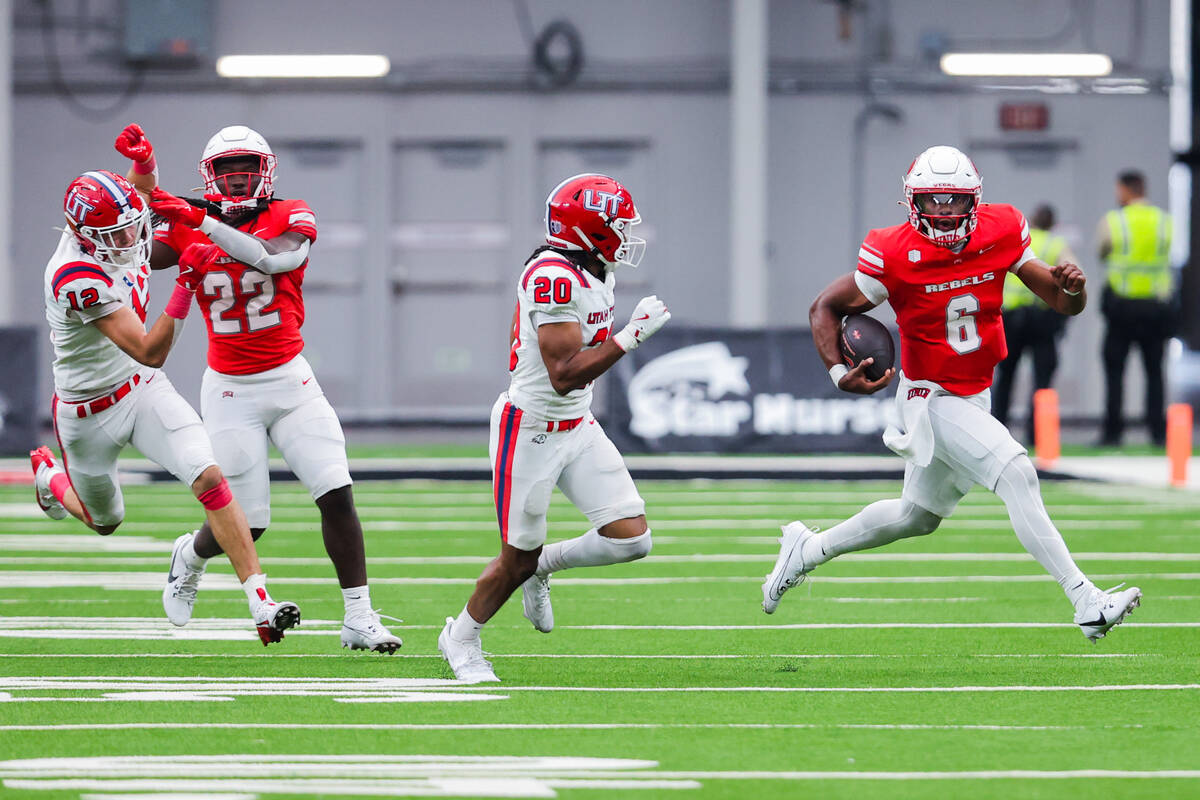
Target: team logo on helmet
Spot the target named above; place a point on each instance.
(78, 208)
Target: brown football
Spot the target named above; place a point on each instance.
(866, 337)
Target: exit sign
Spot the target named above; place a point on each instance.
(1024, 116)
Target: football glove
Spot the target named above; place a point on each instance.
(649, 315)
(133, 144)
(175, 209)
(194, 262)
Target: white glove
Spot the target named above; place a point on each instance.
(649, 315)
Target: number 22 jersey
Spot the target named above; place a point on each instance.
(947, 304)
(253, 318)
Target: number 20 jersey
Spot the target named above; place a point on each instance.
(253, 318)
(947, 304)
(553, 289)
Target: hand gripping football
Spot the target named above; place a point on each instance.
(866, 337)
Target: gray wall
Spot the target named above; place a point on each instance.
(429, 198)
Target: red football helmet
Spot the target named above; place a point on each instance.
(595, 214)
(110, 220)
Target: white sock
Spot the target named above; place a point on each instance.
(255, 588)
(878, 524)
(1018, 488)
(465, 628)
(592, 550)
(357, 600)
(188, 554)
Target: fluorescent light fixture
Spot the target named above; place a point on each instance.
(1029, 65)
(303, 66)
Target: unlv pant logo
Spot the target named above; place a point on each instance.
(918, 391)
(78, 207)
(604, 202)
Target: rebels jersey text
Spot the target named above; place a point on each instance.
(553, 289)
(947, 304)
(253, 318)
(78, 291)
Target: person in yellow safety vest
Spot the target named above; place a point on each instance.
(1135, 243)
(1029, 324)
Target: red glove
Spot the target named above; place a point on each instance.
(194, 262)
(175, 209)
(133, 144)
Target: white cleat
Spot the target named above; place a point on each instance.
(366, 632)
(179, 595)
(272, 618)
(44, 469)
(1105, 610)
(465, 658)
(535, 597)
(789, 568)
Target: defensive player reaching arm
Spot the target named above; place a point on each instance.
(542, 431)
(258, 387)
(108, 391)
(943, 273)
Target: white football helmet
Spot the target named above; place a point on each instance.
(943, 189)
(238, 141)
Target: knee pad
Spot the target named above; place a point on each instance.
(1021, 472)
(636, 547)
(919, 520)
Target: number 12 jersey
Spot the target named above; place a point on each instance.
(947, 304)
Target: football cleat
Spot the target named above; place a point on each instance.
(535, 597)
(273, 617)
(789, 568)
(179, 595)
(365, 632)
(465, 658)
(44, 469)
(1104, 610)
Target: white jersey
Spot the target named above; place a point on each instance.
(553, 289)
(80, 290)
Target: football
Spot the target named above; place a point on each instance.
(866, 337)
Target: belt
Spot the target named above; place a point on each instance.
(109, 400)
(563, 425)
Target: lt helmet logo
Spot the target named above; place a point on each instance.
(604, 202)
(78, 207)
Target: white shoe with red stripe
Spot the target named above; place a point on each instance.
(273, 617)
(44, 469)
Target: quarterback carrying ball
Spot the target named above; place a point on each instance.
(943, 274)
(542, 431)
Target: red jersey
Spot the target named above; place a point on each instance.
(947, 304)
(253, 318)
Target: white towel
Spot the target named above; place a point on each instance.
(912, 440)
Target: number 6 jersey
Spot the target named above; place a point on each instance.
(253, 318)
(947, 304)
(553, 289)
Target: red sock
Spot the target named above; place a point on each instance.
(59, 484)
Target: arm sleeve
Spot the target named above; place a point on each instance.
(1023, 246)
(872, 288)
(551, 294)
(250, 250)
(871, 270)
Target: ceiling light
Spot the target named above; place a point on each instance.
(303, 66)
(1077, 65)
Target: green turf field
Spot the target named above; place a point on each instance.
(944, 666)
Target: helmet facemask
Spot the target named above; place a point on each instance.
(125, 244)
(944, 216)
(238, 188)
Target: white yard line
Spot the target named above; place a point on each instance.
(553, 726)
